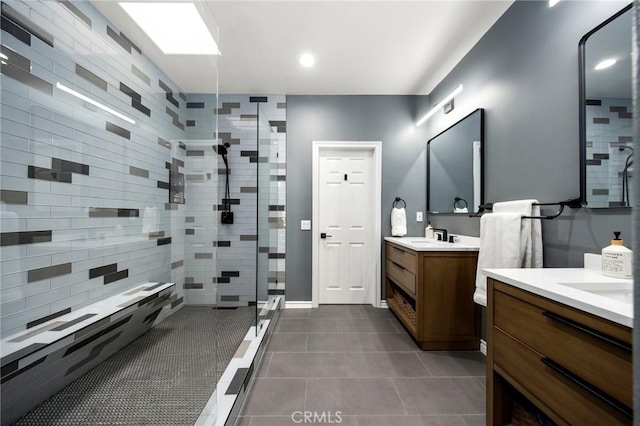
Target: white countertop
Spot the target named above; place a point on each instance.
(583, 289)
(463, 243)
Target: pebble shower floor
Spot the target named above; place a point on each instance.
(165, 377)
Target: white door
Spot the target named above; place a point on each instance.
(346, 211)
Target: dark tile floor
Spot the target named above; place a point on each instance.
(359, 361)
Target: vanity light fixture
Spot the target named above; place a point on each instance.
(439, 105)
(176, 28)
(605, 64)
(307, 60)
(94, 102)
(553, 2)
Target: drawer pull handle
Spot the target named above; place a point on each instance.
(587, 330)
(396, 265)
(588, 387)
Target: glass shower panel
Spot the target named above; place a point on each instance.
(107, 197)
(268, 208)
(264, 191)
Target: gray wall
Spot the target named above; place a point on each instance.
(524, 72)
(389, 119)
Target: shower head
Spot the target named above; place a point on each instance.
(222, 148)
(622, 148)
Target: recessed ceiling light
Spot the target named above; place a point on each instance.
(605, 64)
(553, 2)
(176, 28)
(307, 60)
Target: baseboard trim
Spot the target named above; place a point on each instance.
(297, 305)
(309, 305)
(483, 347)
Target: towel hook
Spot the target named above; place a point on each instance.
(399, 200)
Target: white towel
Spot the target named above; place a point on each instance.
(530, 230)
(398, 222)
(499, 248)
(462, 210)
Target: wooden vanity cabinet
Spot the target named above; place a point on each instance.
(573, 366)
(431, 293)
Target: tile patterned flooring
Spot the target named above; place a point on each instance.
(164, 377)
(360, 361)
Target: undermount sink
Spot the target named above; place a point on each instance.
(621, 292)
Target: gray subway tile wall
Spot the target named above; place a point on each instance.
(235, 244)
(610, 128)
(91, 190)
(80, 187)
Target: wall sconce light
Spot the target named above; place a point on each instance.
(441, 104)
(448, 107)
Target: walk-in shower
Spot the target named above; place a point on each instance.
(123, 297)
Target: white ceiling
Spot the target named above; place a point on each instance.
(361, 47)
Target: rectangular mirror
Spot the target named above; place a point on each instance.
(454, 167)
(606, 124)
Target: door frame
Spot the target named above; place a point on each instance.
(376, 148)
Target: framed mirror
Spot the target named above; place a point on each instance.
(606, 124)
(454, 167)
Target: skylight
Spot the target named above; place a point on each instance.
(176, 28)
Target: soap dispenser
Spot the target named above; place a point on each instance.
(617, 260)
(428, 231)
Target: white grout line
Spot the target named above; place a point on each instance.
(399, 397)
(266, 370)
(304, 403)
(425, 365)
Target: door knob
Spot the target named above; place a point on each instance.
(324, 235)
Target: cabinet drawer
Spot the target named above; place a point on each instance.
(404, 258)
(591, 354)
(560, 394)
(401, 276)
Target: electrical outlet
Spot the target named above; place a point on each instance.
(305, 225)
(419, 216)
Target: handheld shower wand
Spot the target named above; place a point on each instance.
(226, 216)
(625, 174)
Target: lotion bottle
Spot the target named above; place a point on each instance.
(428, 231)
(617, 260)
